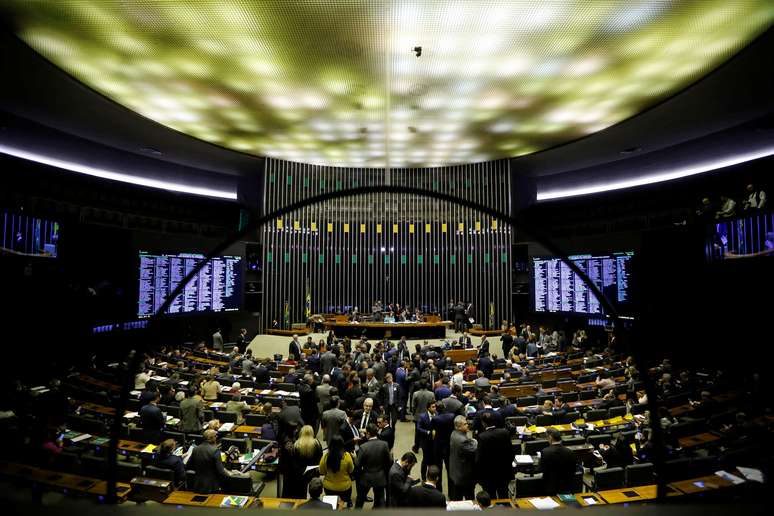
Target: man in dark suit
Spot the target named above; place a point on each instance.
(315, 492)
(328, 361)
(390, 398)
(558, 465)
(152, 420)
(399, 480)
(349, 433)
(425, 432)
(372, 465)
(168, 460)
(366, 416)
(486, 365)
(261, 373)
(289, 420)
(464, 341)
(493, 463)
(443, 426)
(205, 461)
(307, 401)
(427, 494)
(386, 432)
(294, 349)
(484, 347)
(507, 343)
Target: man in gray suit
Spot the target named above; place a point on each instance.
(372, 466)
(191, 414)
(217, 340)
(462, 460)
(452, 404)
(379, 367)
(206, 462)
(323, 392)
(333, 419)
(328, 361)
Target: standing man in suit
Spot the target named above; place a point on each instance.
(366, 416)
(428, 494)
(390, 398)
(483, 349)
(206, 462)
(308, 402)
(507, 342)
(493, 463)
(462, 459)
(372, 466)
(217, 340)
(333, 419)
(328, 361)
(558, 465)
(289, 419)
(399, 480)
(459, 317)
(294, 349)
(241, 341)
(350, 434)
(386, 432)
(442, 426)
(425, 436)
(152, 420)
(191, 413)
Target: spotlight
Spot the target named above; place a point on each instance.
(418, 51)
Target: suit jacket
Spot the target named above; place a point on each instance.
(424, 429)
(454, 405)
(315, 504)
(308, 403)
(349, 436)
(387, 434)
(289, 419)
(373, 463)
(361, 421)
(327, 362)
(191, 413)
(323, 392)
(425, 495)
(332, 419)
(152, 423)
(493, 462)
(420, 400)
(205, 461)
(443, 424)
(398, 486)
(261, 374)
(380, 369)
(385, 394)
(465, 342)
(558, 465)
(462, 458)
(294, 351)
(484, 348)
(486, 365)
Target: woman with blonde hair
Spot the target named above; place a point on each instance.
(307, 451)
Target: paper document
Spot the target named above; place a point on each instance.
(310, 468)
(523, 459)
(183, 382)
(462, 505)
(80, 438)
(38, 388)
(159, 378)
(266, 391)
(728, 476)
(333, 501)
(753, 474)
(226, 427)
(543, 503)
(216, 404)
(131, 415)
(589, 500)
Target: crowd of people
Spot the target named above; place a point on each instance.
(753, 200)
(338, 439)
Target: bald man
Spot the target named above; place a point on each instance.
(206, 462)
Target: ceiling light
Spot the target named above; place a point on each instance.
(666, 175)
(115, 176)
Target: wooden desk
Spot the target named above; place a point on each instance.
(583, 503)
(710, 482)
(461, 355)
(70, 483)
(98, 383)
(376, 330)
(639, 494)
(247, 431)
(692, 441)
(526, 503)
(212, 500)
(274, 503)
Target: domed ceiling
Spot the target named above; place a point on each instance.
(344, 83)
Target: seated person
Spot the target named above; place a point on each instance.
(168, 460)
(315, 492)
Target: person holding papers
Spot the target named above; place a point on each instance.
(205, 461)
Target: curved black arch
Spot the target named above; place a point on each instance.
(516, 220)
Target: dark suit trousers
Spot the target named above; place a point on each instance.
(496, 489)
(362, 493)
(459, 492)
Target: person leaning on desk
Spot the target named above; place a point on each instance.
(206, 462)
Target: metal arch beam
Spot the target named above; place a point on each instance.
(516, 220)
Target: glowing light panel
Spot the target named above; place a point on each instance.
(320, 81)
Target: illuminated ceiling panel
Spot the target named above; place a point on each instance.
(337, 82)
